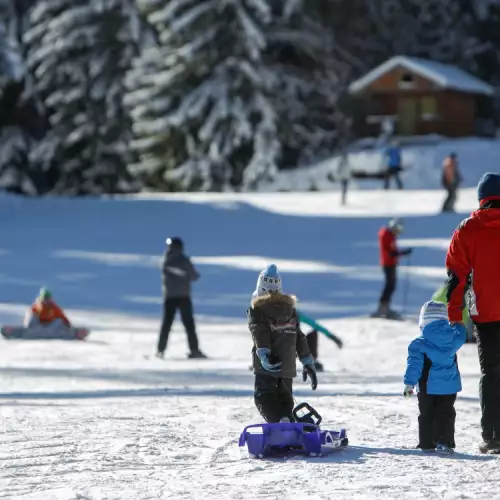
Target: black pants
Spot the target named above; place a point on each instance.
(170, 307)
(488, 345)
(312, 343)
(390, 284)
(273, 397)
(451, 198)
(389, 174)
(436, 422)
(344, 184)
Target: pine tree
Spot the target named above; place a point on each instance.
(78, 54)
(201, 101)
(14, 141)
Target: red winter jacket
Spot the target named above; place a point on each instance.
(473, 262)
(389, 252)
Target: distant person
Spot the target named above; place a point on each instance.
(393, 165)
(473, 263)
(432, 364)
(344, 176)
(389, 260)
(451, 179)
(277, 342)
(178, 273)
(45, 312)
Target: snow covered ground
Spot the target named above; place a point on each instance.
(422, 161)
(103, 419)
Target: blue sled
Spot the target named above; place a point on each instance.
(266, 440)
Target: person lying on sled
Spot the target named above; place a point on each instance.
(45, 312)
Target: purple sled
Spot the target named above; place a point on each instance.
(284, 437)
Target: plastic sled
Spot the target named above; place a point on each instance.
(43, 333)
(283, 438)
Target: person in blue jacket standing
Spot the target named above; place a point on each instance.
(432, 364)
(393, 165)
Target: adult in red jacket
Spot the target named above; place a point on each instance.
(473, 263)
(389, 259)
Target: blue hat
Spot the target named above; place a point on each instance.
(269, 281)
(432, 311)
(488, 186)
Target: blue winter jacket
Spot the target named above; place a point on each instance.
(432, 358)
(393, 157)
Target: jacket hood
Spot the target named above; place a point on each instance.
(275, 305)
(174, 251)
(440, 333)
(488, 217)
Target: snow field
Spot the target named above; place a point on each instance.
(104, 419)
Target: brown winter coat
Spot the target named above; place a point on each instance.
(273, 323)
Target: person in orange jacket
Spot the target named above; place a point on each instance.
(45, 311)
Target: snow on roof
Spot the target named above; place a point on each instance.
(444, 75)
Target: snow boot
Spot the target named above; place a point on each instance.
(197, 355)
(160, 354)
(491, 447)
(444, 449)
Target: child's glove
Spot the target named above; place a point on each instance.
(309, 370)
(263, 354)
(408, 391)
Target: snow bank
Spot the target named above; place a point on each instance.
(422, 163)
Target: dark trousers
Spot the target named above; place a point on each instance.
(273, 397)
(390, 284)
(170, 307)
(344, 184)
(312, 343)
(451, 198)
(436, 422)
(488, 345)
(389, 174)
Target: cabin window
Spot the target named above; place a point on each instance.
(428, 108)
(406, 81)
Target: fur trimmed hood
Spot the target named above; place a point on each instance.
(274, 298)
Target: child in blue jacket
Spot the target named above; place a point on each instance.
(432, 364)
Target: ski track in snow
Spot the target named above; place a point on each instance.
(103, 419)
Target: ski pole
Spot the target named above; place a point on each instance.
(406, 285)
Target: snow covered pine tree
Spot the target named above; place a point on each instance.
(203, 118)
(78, 54)
(14, 142)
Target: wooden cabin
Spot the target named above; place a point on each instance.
(421, 97)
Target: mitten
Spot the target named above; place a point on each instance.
(407, 251)
(263, 354)
(408, 391)
(309, 370)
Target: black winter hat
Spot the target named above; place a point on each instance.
(488, 186)
(175, 242)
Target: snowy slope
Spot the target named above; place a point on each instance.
(102, 419)
(422, 159)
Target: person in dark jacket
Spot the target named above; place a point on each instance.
(178, 272)
(473, 264)
(432, 364)
(389, 259)
(451, 179)
(277, 339)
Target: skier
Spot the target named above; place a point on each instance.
(432, 364)
(178, 273)
(451, 179)
(392, 157)
(45, 312)
(389, 257)
(277, 338)
(344, 175)
(473, 264)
